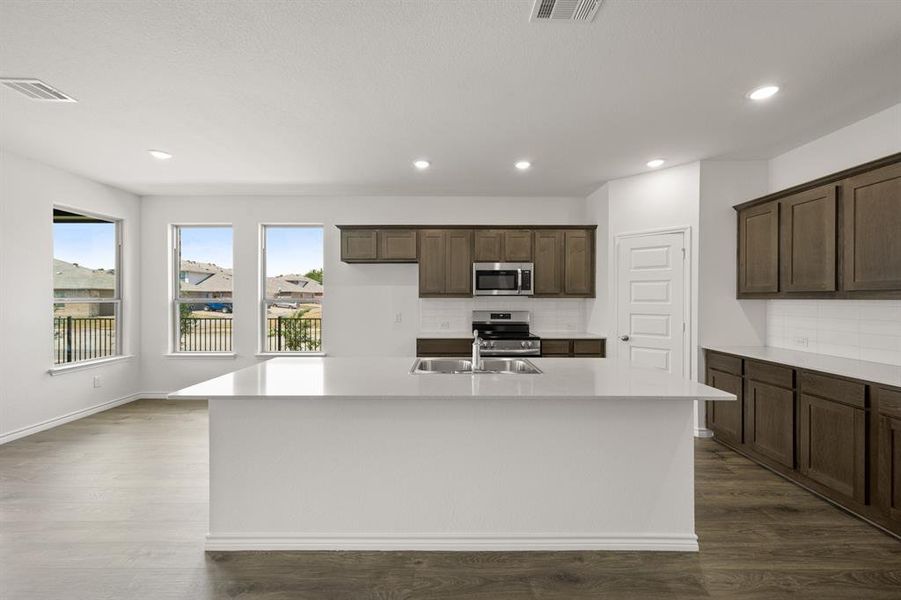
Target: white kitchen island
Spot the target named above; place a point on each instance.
(358, 453)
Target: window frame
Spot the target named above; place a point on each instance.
(116, 300)
(176, 300)
(263, 301)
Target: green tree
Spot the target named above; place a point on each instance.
(301, 335)
(314, 274)
(187, 318)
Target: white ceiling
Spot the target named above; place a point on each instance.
(340, 97)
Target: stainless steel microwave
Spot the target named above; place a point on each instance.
(502, 279)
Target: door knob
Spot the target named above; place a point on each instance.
(624, 338)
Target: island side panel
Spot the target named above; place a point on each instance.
(451, 474)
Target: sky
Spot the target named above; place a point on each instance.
(91, 245)
(289, 249)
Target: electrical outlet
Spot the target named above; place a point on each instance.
(398, 317)
(96, 381)
(801, 341)
(445, 324)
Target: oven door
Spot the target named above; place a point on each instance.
(489, 280)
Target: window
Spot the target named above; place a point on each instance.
(292, 289)
(87, 304)
(202, 304)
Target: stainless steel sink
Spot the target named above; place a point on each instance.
(448, 366)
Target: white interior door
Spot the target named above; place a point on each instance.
(651, 322)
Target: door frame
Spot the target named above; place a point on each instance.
(687, 358)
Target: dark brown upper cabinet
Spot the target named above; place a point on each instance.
(578, 262)
(359, 245)
(549, 263)
(871, 205)
(809, 237)
(503, 245)
(376, 245)
(397, 245)
(758, 250)
(445, 262)
(835, 237)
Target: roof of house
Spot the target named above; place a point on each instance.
(308, 284)
(190, 266)
(219, 282)
(72, 276)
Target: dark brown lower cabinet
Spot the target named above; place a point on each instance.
(890, 466)
(443, 347)
(836, 436)
(578, 348)
(771, 421)
(832, 445)
(726, 419)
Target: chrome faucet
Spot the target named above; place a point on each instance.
(476, 351)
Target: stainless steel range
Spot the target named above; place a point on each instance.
(505, 333)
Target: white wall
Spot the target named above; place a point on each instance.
(29, 395)
(361, 301)
(867, 330)
(597, 210)
(725, 320)
(655, 200)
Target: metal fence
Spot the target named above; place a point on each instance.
(83, 338)
(205, 334)
(292, 334)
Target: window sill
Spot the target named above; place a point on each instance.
(202, 355)
(292, 354)
(88, 364)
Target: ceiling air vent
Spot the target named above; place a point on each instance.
(36, 89)
(565, 10)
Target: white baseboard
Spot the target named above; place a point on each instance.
(703, 432)
(74, 416)
(450, 542)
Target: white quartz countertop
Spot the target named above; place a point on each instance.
(390, 377)
(551, 335)
(846, 367)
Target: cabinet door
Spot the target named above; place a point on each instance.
(808, 260)
(592, 348)
(871, 214)
(432, 263)
(359, 245)
(458, 262)
(726, 419)
(832, 446)
(771, 421)
(548, 259)
(518, 245)
(397, 245)
(556, 347)
(889, 472)
(489, 245)
(578, 269)
(758, 249)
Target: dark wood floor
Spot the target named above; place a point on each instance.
(114, 506)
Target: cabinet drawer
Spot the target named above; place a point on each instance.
(833, 388)
(555, 347)
(724, 363)
(890, 402)
(588, 348)
(443, 347)
(781, 376)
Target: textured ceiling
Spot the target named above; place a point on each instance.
(340, 97)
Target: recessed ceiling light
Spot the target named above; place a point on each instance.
(657, 162)
(421, 164)
(522, 165)
(159, 154)
(764, 92)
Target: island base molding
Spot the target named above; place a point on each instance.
(451, 543)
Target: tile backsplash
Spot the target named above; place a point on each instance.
(861, 329)
(454, 315)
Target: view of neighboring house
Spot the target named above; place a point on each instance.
(71, 280)
(208, 280)
(294, 288)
